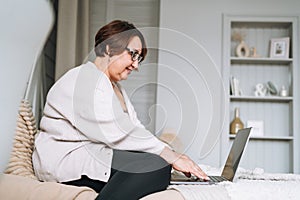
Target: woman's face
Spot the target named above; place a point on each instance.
(120, 66)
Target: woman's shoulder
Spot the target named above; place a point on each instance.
(72, 74)
(81, 79)
(65, 82)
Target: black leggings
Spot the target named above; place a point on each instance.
(133, 175)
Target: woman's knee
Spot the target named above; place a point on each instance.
(138, 162)
(156, 161)
(164, 176)
(157, 180)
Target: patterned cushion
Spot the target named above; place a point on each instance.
(20, 162)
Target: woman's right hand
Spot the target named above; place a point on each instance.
(183, 163)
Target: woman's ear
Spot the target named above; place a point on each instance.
(107, 50)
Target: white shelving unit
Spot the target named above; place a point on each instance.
(278, 149)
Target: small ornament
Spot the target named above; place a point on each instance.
(242, 50)
(283, 92)
(253, 53)
(260, 90)
(271, 88)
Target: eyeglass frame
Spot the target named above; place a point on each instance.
(133, 54)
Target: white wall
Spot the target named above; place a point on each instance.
(24, 29)
(202, 21)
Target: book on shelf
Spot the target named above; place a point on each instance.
(234, 86)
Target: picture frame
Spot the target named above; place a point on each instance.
(257, 128)
(280, 47)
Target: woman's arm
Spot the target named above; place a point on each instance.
(182, 163)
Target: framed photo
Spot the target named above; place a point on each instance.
(257, 128)
(280, 47)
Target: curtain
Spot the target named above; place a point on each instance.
(72, 35)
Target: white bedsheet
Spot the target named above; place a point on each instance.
(248, 184)
(202, 192)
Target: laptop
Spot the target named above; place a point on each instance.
(229, 169)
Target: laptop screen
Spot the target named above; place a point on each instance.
(235, 153)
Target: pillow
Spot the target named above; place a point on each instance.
(20, 162)
(18, 187)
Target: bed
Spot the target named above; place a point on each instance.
(19, 181)
(248, 184)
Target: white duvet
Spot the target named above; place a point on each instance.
(248, 184)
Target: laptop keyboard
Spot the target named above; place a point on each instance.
(217, 178)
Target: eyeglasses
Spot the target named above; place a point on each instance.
(134, 55)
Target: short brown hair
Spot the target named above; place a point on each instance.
(117, 34)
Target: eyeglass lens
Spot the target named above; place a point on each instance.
(135, 55)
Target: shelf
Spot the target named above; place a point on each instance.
(279, 114)
(237, 60)
(265, 98)
(279, 138)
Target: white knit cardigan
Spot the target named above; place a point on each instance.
(82, 122)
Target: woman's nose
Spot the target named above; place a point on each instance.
(135, 65)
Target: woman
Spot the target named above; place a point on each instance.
(90, 134)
